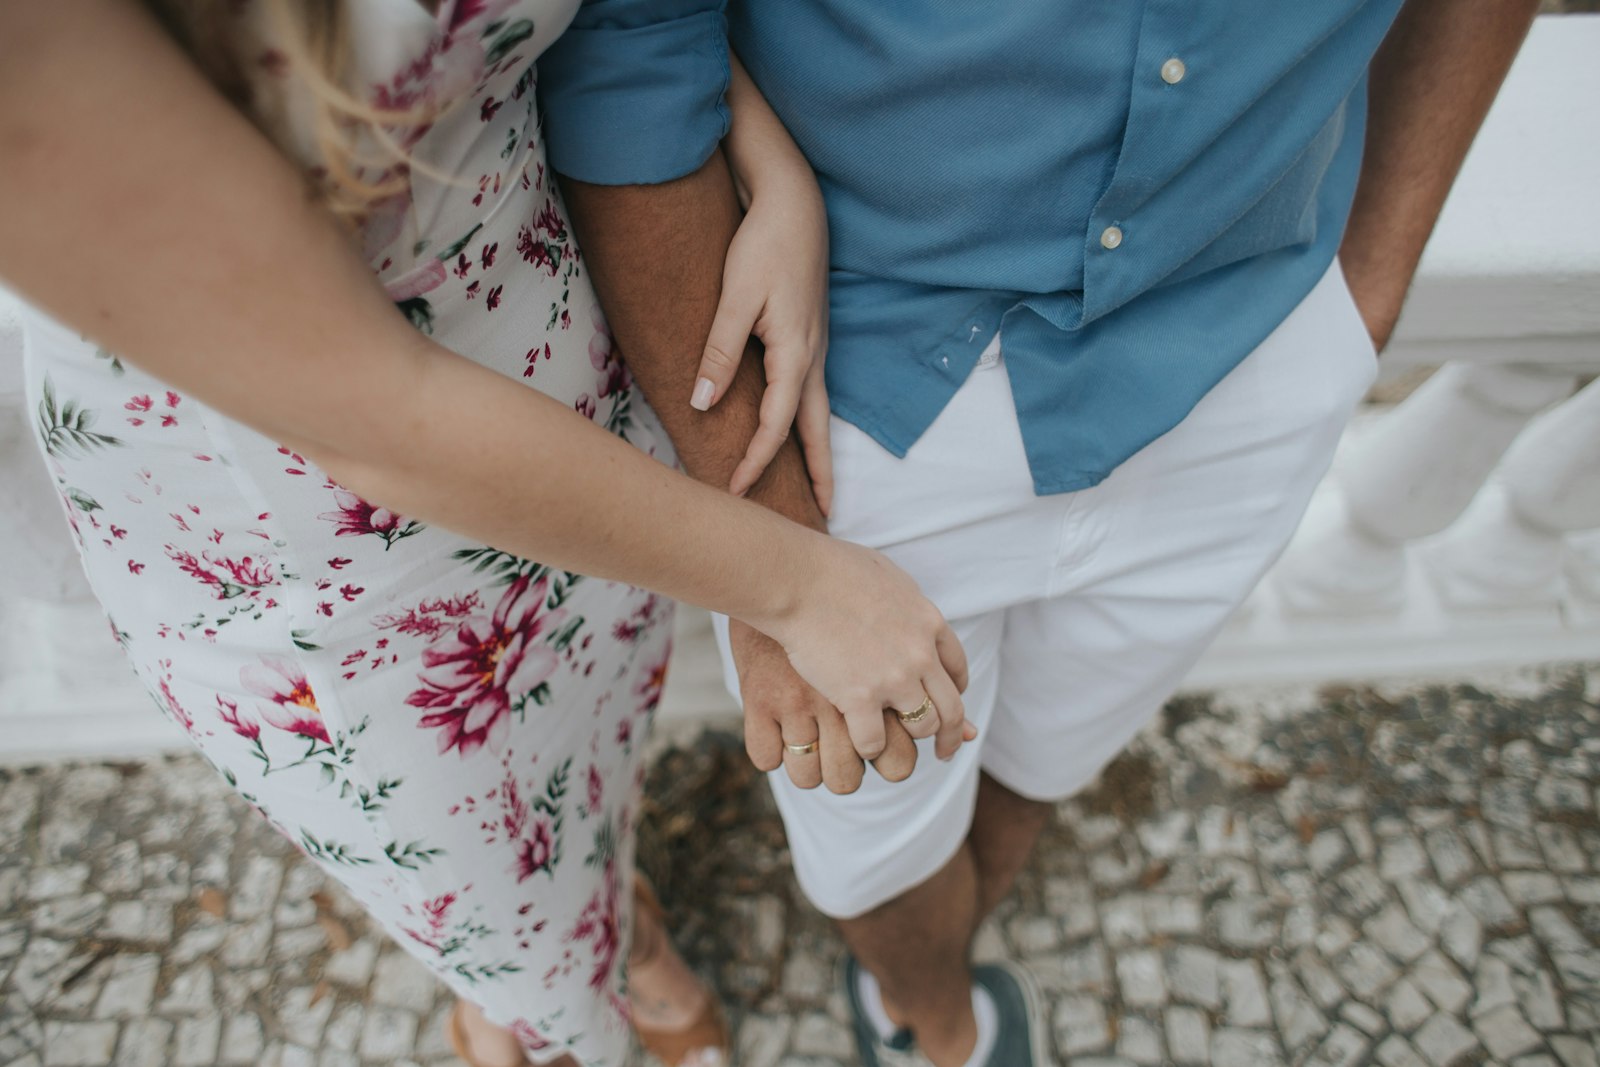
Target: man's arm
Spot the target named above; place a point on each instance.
(1432, 82)
(655, 255)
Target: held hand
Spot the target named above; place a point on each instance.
(780, 709)
(775, 288)
(862, 633)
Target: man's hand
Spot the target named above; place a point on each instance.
(655, 255)
(780, 708)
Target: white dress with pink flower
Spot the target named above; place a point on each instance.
(453, 732)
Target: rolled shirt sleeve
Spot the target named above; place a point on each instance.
(634, 92)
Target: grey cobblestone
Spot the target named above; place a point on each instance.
(1402, 879)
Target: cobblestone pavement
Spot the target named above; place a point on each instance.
(1396, 876)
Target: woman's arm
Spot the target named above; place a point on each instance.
(138, 206)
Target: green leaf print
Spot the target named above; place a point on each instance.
(116, 364)
(605, 846)
(299, 637)
(474, 973)
(561, 588)
(509, 38)
(83, 501)
(555, 788)
(455, 250)
(412, 855)
(419, 311)
(563, 637)
(65, 429)
(505, 567)
(330, 851)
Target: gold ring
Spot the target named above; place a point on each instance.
(910, 717)
(801, 750)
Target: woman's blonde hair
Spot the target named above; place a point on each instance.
(312, 34)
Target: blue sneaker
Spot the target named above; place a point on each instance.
(1020, 1040)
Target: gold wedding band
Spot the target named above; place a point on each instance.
(910, 717)
(801, 750)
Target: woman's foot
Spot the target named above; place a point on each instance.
(676, 1017)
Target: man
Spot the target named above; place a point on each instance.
(1091, 350)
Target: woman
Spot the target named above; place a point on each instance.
(350, 561)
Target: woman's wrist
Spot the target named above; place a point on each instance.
(781, 599)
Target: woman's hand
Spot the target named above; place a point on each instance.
(774, 287)
(863, 635)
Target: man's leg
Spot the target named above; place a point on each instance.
(917, 945)
(1005, 827)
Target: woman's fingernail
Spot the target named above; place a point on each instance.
(705, 390)
(970, 732)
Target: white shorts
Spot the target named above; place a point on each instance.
(1080, 612)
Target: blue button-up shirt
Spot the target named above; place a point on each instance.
(1134, 193)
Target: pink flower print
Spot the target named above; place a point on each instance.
(598, 925)
(476, 670)
(492, 301)
(535, 851)
(472, 290)
(428, 618)
(436, 914)
(532, 359)
(135, 568)
(536, 251)
(463, 265)
(531, 1039)
(175, 709)
(228, 578)
(596, 789)
(173, 399)
(228, 711)
(651, 686)
(487, 255)
(339, 563)
(139, 403)
(487, 109)
(585, 406)
(613, 375)
(350, 592)
(356, 517)
(291, 707)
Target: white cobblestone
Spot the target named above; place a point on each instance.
(1080, 1025)
(68, 1044)
(1444, 1041)
(1188, 1036)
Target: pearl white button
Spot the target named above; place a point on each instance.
(1173, 70)
(1111, 236)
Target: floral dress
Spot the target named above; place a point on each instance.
(451, 731)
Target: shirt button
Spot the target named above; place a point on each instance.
(1111, 236)
(1173, 70)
